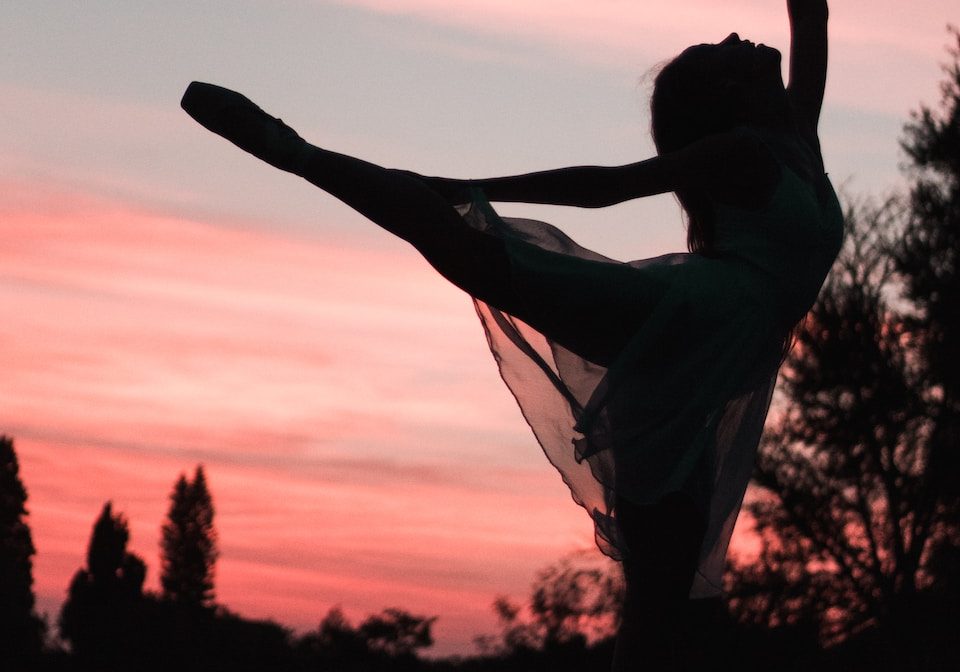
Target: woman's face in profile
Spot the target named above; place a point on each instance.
(749, 62)
(755, 68)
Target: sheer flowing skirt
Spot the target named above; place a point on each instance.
(681, 404)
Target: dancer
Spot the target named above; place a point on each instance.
(646, 383)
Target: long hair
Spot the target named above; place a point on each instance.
(692, 99)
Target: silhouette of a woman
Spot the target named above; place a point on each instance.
(646, 383)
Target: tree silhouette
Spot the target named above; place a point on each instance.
(189, 543)
(21, 631)
(389, 640)
(397, 633)
(858, 511)
(572, 603)
(336, 644)
(99, 618)
(928, 259)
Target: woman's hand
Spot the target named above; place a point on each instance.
(804, 10)
(808, 60)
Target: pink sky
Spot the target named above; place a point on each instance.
(167, 301)
(137, 345)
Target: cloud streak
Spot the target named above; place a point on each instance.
(886, 36)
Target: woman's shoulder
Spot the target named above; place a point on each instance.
(795, 147)
(750, 170)
(744, 167)
(759, 159)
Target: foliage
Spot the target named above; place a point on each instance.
(389, 640)
(397, 633)
(111, 624)
(573, 603)
(928, 256)
(189, 543)
(21, 631)
(927, 259)
(177, 636)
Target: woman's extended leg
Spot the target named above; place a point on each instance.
(663, 542)
(395, 200)
(406, 207)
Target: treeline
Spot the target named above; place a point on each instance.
(857, 507)
(567, 622)
(109, 622)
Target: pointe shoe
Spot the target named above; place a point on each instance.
(236, 118)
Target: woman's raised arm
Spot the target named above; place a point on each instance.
(808, 59)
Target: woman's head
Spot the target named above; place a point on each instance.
(711, 88)
(708, 89)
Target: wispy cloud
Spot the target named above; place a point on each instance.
(603, 27)
(633, 27)
(899, 40)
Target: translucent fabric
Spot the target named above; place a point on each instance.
(681, 406)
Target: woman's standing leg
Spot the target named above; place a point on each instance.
(663, 541)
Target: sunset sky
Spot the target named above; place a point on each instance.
(168, 300)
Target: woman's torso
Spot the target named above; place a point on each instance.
(795, 237)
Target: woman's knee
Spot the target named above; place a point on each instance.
(475, 262)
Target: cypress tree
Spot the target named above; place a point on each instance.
(99, 618)
(21, 631)
(189, 543)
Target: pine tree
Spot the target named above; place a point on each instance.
(189, 543)
(21, 631)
